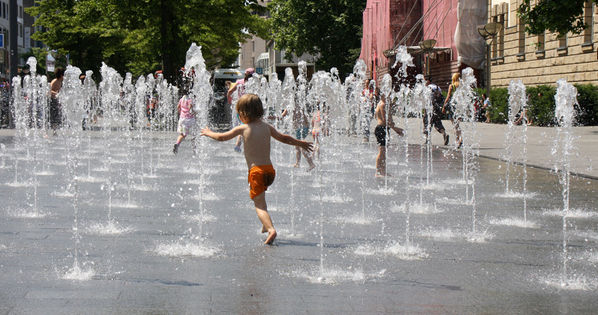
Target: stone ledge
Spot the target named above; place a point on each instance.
(540, 53)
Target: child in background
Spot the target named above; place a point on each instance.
(301, 127)
(256, 146)
(239, 86)
(186, 120)
(316, 130)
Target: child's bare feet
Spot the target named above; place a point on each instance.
(271, 237)
(311, 167)
(264, 230)
(296, 165)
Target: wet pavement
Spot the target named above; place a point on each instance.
(183, 237)
(584, 158)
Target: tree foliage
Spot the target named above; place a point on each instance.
(557, 16)
(330, 30)
(142, 36)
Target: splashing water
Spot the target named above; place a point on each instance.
(565, 99)
(79, 274)
(181, 249)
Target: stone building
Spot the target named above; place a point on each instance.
(251, 51)
(541, 59)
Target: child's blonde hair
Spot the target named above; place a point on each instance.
(250, 106)
(455, 79)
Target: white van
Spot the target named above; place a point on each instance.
(220, 113)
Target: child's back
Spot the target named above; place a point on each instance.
(257, 143)
(186, 109)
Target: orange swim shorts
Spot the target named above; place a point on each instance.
(260, 177)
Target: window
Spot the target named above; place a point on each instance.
(588, 33)
(501, 35)
(20, 30)
(562, 41)
(20, 12)
(521, 31)
(540, 44)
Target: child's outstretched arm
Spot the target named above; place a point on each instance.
(229, 93)
(308, 146)
(223, 136)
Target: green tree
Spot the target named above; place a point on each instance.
(559, 16)
(142, 36)
(330, 30)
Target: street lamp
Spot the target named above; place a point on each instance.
(489, 30)
(427, 46)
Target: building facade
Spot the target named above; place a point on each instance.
(262, 55)
(390, 23)
(440, 22)
(24, 32)
(541, 59)
(386, 24)
(251, 51)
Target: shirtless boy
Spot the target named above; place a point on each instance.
(256, 134)
(385, 123)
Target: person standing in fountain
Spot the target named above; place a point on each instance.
(382, 134)
(186, 119)
(55, 108)
(451, 91)
(256, 134)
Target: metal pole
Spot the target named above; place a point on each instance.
(13, 58)
(488, 70)
(13, 37)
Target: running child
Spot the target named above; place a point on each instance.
(186, 120)
(256, 147)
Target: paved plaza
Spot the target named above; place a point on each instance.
(179, 235)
